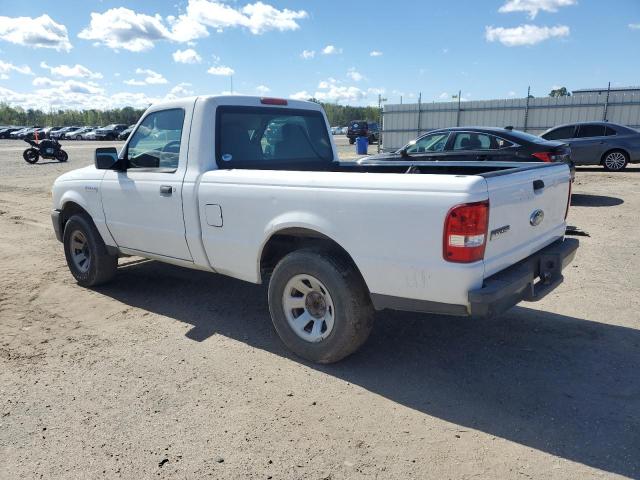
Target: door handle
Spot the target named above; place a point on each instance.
(166, 189)
(538, 185)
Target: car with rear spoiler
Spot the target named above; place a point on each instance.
(253, 188)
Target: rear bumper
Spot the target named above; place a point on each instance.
(530, 280)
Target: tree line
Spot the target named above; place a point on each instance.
(61, 118)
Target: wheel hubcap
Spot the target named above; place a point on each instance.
(309, 308)
(80, 254)
(615, 161)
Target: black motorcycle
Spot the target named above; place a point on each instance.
(49, 149)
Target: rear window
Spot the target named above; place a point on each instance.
(358, 125)
(559, 133)
(271, 138)
(527, 137)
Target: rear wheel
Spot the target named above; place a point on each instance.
(86, 253)
(319, 305)
(352, 141)
(78, 137)
(31, 155)
(615, 161)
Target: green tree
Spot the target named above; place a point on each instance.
(560, 92)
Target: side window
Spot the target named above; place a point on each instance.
(429, 143)
(474, 141)
(501, 143)
(156, 141)
(560, 133)
(590, 130)
(608, 131)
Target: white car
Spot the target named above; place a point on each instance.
(252, 188)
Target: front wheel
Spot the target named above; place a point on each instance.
(87, 257)
(31, 155)
(62, 156)
(351, 141)
(319, 305)
(615, 161)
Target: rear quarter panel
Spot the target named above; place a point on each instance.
(390, 224)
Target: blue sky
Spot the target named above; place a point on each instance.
(72, 54)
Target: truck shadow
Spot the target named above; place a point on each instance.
(588, 200)
(563, 385)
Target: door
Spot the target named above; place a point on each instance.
(143, 204)
(588, 145)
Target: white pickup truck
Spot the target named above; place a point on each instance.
(252, 188)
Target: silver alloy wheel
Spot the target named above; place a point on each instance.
(615, 161)
(80, 251)
(308, 307)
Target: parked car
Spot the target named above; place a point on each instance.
(89, 134)
(110, 132)
(61, 132)
(475, 239)
(77, 133)
(7, 131)
(22, 133)
(361, 128)
(479, 144)
(125, 133)
(599, 143)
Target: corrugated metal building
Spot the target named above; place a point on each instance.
(403, 122)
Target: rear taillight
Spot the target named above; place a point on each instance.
(566, 212)
(544, 156)
(465, 232)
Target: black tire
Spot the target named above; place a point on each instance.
(615, 160)
(352, 141)
(78, 137)
(102, 266)
(31, 155)
(353, 311)
(62, 156)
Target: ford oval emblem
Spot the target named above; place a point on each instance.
(536, 217)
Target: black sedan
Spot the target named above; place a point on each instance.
(479, 144)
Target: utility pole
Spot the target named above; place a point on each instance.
(419, 113)
(606, 103)
(458, 116)
(526, 109)
(380, 100)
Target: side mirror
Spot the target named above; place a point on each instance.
(106, 158)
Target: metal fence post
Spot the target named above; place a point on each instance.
(419, 113)
(458, 116)
(606, 103)
(526, 109)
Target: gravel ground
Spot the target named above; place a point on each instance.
(170, 373)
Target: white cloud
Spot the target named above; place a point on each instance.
(524, 34)
(180, 90)
(186, 56)
(123, 28)
(262, 89)
(634, 26)
(444, 96)
(71, 71)
(511, 94)
(40, 32)
(532, 7)
(354, 75)
(221, 70)
(331, 50)
(6, 68)
(303, 95)
(66, 86)
(375, 53)
(307, 54)
(150, 78)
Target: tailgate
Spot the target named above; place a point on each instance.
(526, 213)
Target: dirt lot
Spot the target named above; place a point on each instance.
(169, 373)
